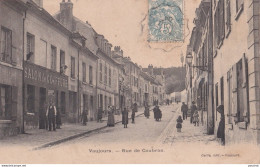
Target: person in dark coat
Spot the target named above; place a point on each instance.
(51, 115)
(125, 117)
(134, 110)
(58, 119)
(179, 124)
(111, 116)
(155, 113)
(159, 113)
(184, 110)
(99, 118)
(146, 111)
(84, 117)
(193, 109)
(221, 126)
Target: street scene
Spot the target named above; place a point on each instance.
(168, 77)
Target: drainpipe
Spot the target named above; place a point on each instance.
(23, 84)
(78, 101)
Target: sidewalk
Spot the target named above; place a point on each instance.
(189, 134)
(40, 138)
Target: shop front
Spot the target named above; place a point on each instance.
(10, 101)
(41, 86)
(88, 100)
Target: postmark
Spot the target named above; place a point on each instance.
(165, 21)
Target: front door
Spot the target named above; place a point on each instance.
(42, 108)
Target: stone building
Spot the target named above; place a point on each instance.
(236, 82)
(199, 66)
(230, 61)
(11, 66)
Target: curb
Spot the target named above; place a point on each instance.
(57, 142)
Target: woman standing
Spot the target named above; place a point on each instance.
(111, 117)
(221, 126)
(125, 117)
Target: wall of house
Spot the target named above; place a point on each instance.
(11, 73)
(231, 54)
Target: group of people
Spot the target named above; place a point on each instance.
(194, 114)
(194, 118)
(157, 113)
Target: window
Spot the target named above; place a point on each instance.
(100, 72)
(62, 61)
(84, 72)
(30, 99)
(229, 82)
(222, 90)
(228, 18)
(90, 75)
(53, 57)
(72, 72)
(5, 102)
(6, 45)
(105, 74)
(109, 77)
(239, 5)
(30, 47)
(219, 22)
(63, 102)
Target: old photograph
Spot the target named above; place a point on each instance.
(129, 82)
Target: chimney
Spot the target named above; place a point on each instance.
(66, 14)
(150, 69)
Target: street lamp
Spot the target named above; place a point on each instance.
(189, 58)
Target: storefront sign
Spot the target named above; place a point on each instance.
(40, 75)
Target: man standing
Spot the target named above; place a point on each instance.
(51, 115)
(184, 110)
(193, 109)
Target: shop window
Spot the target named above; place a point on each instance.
(30, 47)
(72, 70)
(110, 101)
(63, 102)
(73, 101)
(30, 99)
(5, 102)
(85, 102)
(90, 75)
(84, 72)
(6, 45)
(53, 57)
(109, 77)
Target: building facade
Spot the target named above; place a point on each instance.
(230, 32)
(11, 65)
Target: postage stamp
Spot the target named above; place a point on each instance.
(166, 21)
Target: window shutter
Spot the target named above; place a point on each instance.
(14, 102)
(245, 88)
(234, 81)
(14, 57)
(222, 20)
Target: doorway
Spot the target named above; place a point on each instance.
(42, 109)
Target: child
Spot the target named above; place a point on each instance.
(179, 124)
(196, 118)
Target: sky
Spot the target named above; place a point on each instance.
(125, 23)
